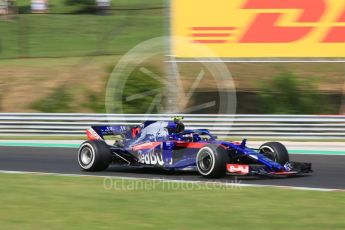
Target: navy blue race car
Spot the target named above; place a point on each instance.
(166, 144)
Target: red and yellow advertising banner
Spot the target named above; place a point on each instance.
(259, 28)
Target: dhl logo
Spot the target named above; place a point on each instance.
(261, 28)
(219, 36)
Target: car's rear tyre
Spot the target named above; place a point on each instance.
(211, 161)
(94, 155)
(276, 151)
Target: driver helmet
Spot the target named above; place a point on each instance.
(179, 124)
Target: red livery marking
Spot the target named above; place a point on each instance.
(193, 145)
(209, 41)
(211, 35)
(213, 28)
(225, 147)
(237, 168)
(135, 131)
(92, 135)
(147, 145)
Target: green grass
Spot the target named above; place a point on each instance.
(58, 101)
(62, 6)
(76, 35)
(57, 202)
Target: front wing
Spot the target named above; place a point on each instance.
(294, 168)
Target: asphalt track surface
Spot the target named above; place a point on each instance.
(329, 171)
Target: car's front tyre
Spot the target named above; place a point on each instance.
(276, 151)
(94, 155)
(211, 161)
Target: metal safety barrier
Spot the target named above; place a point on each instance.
(239, 126)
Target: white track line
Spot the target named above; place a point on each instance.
(177, 181)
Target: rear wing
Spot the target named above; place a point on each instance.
(98, 132)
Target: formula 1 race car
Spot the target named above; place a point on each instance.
(166, 144)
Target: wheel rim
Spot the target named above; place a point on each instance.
(205, 161)
(269, 152)
(86, 156)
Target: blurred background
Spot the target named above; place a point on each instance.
(57, 56)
